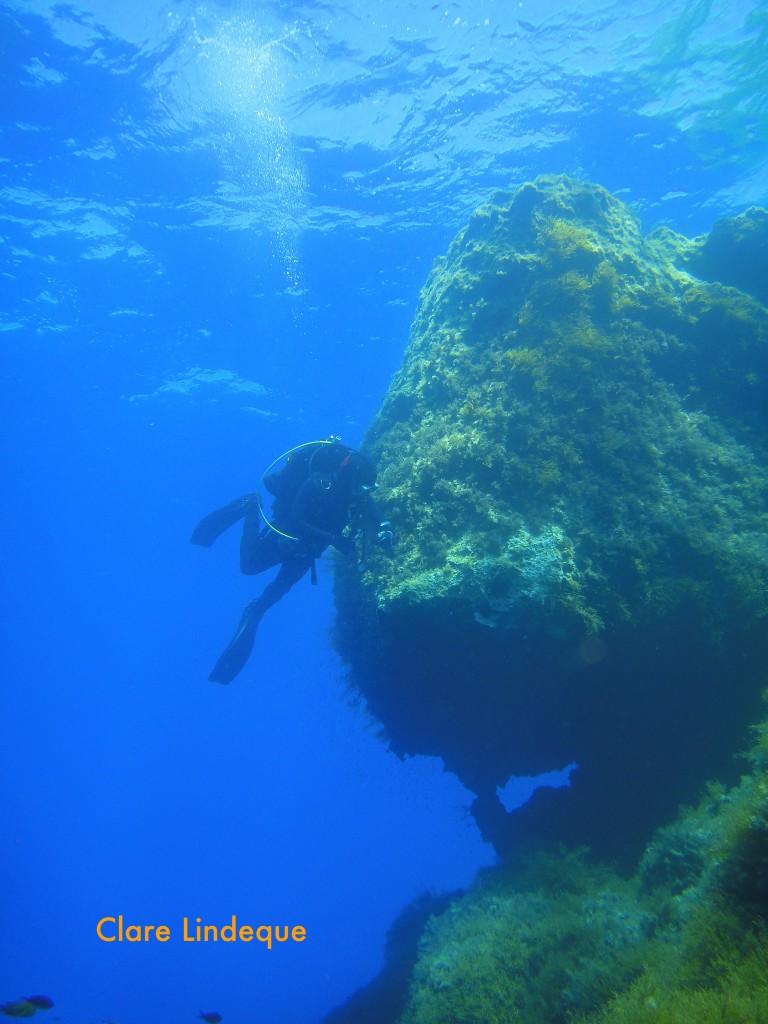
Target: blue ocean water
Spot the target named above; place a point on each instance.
(216, 219)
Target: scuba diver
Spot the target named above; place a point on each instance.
(323, 489)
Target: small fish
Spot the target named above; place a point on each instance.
(19, 1008)
(40, 1002)
(210, 1018)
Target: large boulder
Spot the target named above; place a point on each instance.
(574, 457)
(550, 937)
(554, 938)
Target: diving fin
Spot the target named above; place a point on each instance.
(215, 523)
(237, 652)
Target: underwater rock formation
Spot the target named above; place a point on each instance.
(574, 456)
(555, 938)
(550, 937)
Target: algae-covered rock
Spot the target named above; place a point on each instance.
(549, 937)
(573, 455)
(533, 948)
(736, 253)
(555, 939)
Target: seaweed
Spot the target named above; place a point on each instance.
(553, 937)
(574, 447)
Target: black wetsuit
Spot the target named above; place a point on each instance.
(321, 510)
(319, 514)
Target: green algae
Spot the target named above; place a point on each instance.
(568, 377)
(735, 253)
(528, 948)
(555, 938)
(573, 448)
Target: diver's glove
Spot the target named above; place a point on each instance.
(343, 544)
(385, 536)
